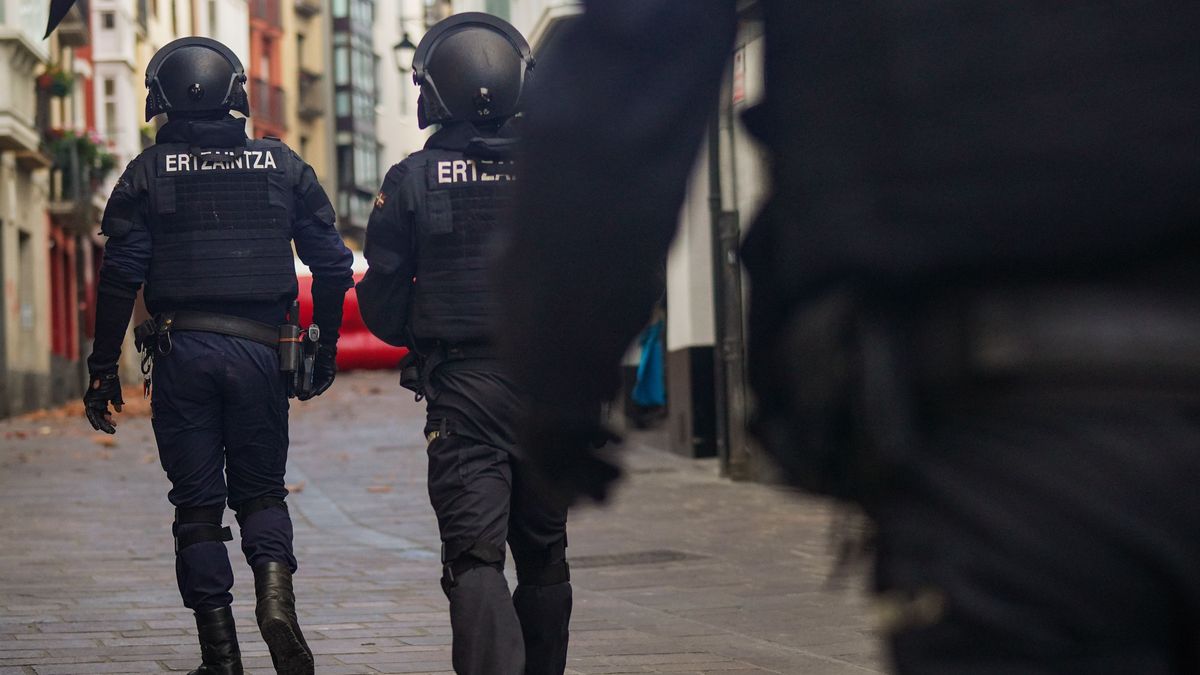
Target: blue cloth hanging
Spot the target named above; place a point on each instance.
(650, 391)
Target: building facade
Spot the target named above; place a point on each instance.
(398, 134)
(269, 109)
(355, 79)
(306, 57)
(72, 116)
(82, 160)
(53, 164)
(24, 192)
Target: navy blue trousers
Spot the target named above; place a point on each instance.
(220, 412)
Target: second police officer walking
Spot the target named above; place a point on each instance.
(429, 243)
(204, 220)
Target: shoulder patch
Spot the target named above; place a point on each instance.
(380, 200)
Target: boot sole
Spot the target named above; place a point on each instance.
(287, 651)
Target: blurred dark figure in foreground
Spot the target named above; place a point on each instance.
(429, 288)
(205, 220)
(975, 308)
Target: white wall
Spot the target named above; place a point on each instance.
(127, 110)
(114, 57)
(22, 268)
(119, 42)
(524, 14)
(232, 27)
(689, 269)
(396, 109)
(748, 187)
(26, 18)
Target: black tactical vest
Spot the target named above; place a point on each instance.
(220, 221)
(461, 203)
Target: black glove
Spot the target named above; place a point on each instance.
(324, 371)
(104, 387)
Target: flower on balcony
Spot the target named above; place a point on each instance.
(88, 151)
(56, 82)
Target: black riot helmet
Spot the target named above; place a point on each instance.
(471, 67)
(195, 75)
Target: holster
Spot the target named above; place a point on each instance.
(152, 338)
(417, 368)
(410, 374)
(145, 335)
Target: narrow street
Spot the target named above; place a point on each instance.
(684, 573)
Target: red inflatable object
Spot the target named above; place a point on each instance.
(357, 347)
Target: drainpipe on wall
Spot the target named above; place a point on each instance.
(716, 212)
(729, 347)
(4, 406)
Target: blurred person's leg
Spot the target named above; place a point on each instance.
(537, 535)
(1040, 536)
(470, 485)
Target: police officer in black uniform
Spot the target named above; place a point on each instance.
(429, 242)
(974, 294)
(204, 221)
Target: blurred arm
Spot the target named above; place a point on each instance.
(614, 124)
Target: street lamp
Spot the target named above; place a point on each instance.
(404, 50)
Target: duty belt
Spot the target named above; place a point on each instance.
(455, 351)
(222, 324)
(295, 348)
(1075, 333)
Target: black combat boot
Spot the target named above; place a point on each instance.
(219, 651)
(276, 613)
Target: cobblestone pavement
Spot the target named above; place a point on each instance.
(685, 573)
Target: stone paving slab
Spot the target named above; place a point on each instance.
(684, 573)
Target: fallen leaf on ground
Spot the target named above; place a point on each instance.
(105, 440)
(45, 431)
(293, 488)
(149, 458)
(379, 489)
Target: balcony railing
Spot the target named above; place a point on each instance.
(266, 10)
(313, 96)
(268, 103)
(80, 166)
(308, 8)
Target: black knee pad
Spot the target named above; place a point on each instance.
(547, 567)
(205, 522)
(253, 506)
(459, 557)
